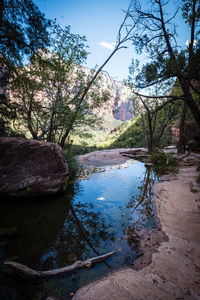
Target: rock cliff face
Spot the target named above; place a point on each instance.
(119, 104)
(124, 111)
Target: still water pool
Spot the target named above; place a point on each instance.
(93, 217)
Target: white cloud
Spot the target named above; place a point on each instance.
(189, 42)
(110, 46)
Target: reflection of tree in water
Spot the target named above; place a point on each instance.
(142, 209)
(83, 232)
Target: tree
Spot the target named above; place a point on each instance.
(157, 35)
(124, 35)
(155, 116)
(23, 30)
(47, 89)
(57, 78)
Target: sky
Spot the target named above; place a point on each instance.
(99, 21)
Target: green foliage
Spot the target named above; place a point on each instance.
(188, 13)
(24, 30)
(156, 36)
(163, 162)
(128, 135)
(72, 163)
(7, 113)
(166, 59)
(171, 160)
(8, 117)
(134, 133)
(49, 90)
(150, 72)
(158, 158)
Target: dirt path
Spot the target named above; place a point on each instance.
(174, 272)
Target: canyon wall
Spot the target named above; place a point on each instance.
(119, 104)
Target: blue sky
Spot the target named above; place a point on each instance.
(99, 21)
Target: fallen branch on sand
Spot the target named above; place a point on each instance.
(32, 274)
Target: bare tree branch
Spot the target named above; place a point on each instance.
(34, 275)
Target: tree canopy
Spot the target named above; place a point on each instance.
(155, 33)
(23, 30)
(48, 90)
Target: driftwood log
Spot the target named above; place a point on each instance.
(33, 274)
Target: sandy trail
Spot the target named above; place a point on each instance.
(174, 272)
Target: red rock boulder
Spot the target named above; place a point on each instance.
(30, 167)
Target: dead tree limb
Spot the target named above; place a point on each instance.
(33, 274)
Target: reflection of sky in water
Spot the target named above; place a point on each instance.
(111, 191)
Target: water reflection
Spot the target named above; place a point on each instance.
(142, 209)
(83, 232)
(93, 217)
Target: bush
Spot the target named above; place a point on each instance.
(72, 163)
(171, 160)
(158, 158)
(163, 162)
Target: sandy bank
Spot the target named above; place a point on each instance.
(174, 272)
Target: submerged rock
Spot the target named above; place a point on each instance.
(30, 167)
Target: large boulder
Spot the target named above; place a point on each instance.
(30, 167)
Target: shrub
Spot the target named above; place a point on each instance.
(171, 160)
(163, 162)
(72, 163)
(158, 158)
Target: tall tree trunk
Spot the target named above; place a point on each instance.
(190, 101)
(150, 133)
(64, 137)
(182, 124)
